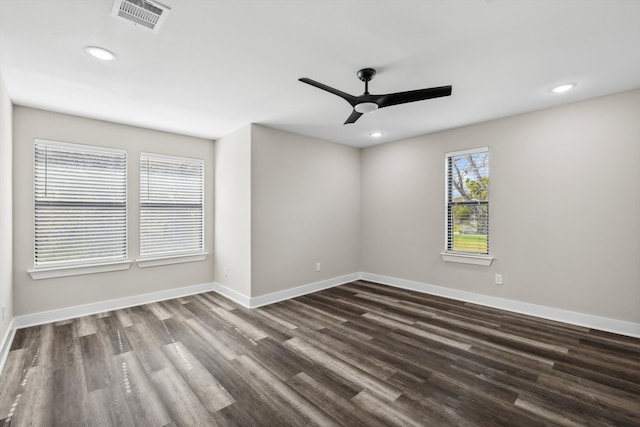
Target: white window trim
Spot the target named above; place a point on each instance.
(484, 260)
(451, 256)
(155, 259)
(75, 270)
(172, 259)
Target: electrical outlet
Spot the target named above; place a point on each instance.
(3, 310)
(498, 279)
(317, 266)
(226, 270)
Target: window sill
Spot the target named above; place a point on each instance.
(167, 260)
(48, 273)
(484, 260)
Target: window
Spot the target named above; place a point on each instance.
(80, 197)
(468, 202)
(171, 206)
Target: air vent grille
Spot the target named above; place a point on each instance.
(140, 12)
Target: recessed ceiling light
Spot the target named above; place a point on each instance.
(376, 134)
(101, 53)
(563, 88)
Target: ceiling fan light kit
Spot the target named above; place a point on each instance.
(367, 102)
(366, 107)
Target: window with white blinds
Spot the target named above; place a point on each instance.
(80, 197)
(171, 206)
(468, 201)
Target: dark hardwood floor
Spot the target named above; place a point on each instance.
(360, 354)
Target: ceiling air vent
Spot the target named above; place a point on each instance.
(143, 13)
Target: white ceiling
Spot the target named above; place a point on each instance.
(217, 65)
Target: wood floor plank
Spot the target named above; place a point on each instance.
(64, 354)
(154, 327)
(147, 347)
(85, 325)
(177, 310)
(108, 408)
(296, 408)
(476, 406)
(317, 312)
(112, 335)
(352, 373)
(208, 390)
(240, 325)
(360, 354)
(35, 404)
(341, 410)
(433, 336)
(597, 398)
(145, 406)
(71, 406)
(293, 317)
(206, 314)
(384, 410)
(159, 311)
(433, 412)
(218, 300)
(346, 353)
(219, 340)
(337, 304)
(268, 325)
(279, 359)
(124, 318)
(10, 382)
(180, 400)
(344, 312)
(249, 404)
(94, 361)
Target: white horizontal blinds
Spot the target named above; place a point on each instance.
(80, 204)
(171, 205)
(468, 202)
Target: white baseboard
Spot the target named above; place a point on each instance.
(34, 319)
(286, 294)
(587, 320)
(234, 296)
(5, 344)
(302, 290)
(571, 317)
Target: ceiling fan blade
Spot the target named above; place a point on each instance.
(347, 97)
(412, 96)
(353, 117)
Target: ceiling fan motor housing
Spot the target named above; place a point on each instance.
(366, 74)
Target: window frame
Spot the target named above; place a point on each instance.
(164, 258)
(450, 255)
(46, 270)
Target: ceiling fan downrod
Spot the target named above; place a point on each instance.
(366, 74)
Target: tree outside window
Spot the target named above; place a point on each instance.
(468, 201)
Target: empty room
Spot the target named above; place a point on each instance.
(319, 212)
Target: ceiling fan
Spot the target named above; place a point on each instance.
(367, 102)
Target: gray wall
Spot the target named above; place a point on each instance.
(305, 209)
(233, 211)
(32, 296)
(565, 210)
(6, 225)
